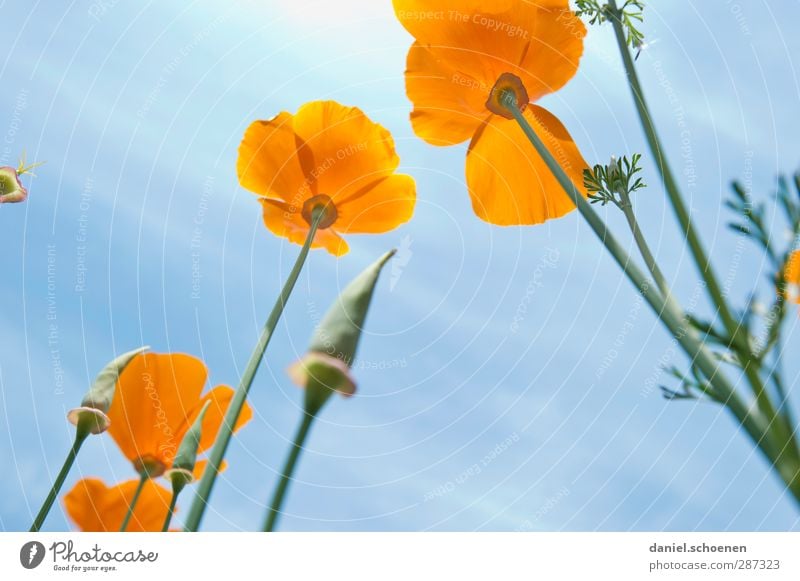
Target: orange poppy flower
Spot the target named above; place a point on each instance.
(792, 277)
(158, 397)
(94, 507)
(466, 55)
(331, 156)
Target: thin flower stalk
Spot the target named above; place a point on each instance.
(325, 369)
(738, 338)
(142, 481)
(176, 490)
(626, 205)
(288, 471)
(753, 421)
(89, 418)
(240, 397)
(670, 184)
(80, 437)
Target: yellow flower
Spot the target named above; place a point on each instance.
(331, 156)
(466, 55)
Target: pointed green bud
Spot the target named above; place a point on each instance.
(340, 330)
(326, 367)
(91, 416)
(182, 471)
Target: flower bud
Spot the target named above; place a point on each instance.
(91, 415)
(615, 176)
(11, 189)
(613, 167)
(326, 367)
(321, 375)
(182, 471)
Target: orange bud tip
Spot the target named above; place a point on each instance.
(507, 83)
(320, 203)
(91, 419)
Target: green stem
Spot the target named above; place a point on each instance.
(674, 319)
(176, 490)
(670, 184)
(626, 205)
(142, 481)
(237, 403)
(784, 404)
(773, 328)
(80, 437)
(738, 336)
(288, 470)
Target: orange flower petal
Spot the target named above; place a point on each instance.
(456, 61)
(200, 467)
(420, 17)
(792, 276)
(444, 22)
(509, 182)
(268, 162)
(94, 507)
(286, 221)
(554, 53)
(344, 146)
(381, 207)
(448, 104)
(220, 398)
(792, 273)
(155, 393)
(336, 154)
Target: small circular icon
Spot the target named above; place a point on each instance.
(31, 554)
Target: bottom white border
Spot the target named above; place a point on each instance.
(402, 556)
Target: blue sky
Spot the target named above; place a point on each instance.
(464, 420)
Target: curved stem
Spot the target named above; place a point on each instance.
(240, 396)
(627, 208)
(80, 437)
(288, 470)
(785, 406)
(672, 317)
(670, 184)
(736, 332)
(144, 478)
(176, 490)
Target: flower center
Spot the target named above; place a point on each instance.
(321, 203)
(507, 84)
(149, 465)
